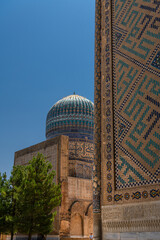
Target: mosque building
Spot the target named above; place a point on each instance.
(126, 171)
(70, 149)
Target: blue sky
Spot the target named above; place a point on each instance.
(47, 53)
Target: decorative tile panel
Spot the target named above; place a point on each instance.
(136, 92)
(81, 156)
(97, 112)
(127, 105)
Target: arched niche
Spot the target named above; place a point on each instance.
(76, 225)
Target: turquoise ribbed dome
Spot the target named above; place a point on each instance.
(71, 116)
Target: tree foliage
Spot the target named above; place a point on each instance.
(28, 198)
(4, 209)
(9, 195)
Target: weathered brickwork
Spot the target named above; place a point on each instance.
(48, 149)
(81, 154)
(81, 218)
(79, 189)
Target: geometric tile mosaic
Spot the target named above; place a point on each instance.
(136, 82)
(156, 61)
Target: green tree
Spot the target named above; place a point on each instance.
(3, 203)
(9, 197)
(39, 196)
(18, 175)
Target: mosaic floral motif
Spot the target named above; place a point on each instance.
(107, 79)
(108, 127)
(109, 148)
(108, 92)
(109, 164)
(109, 198)
(108, 112)
(145, 194)
(109, 176)
(154, 193)
(126, 196)
(118, 197)
(136, 195)
(109, 188)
